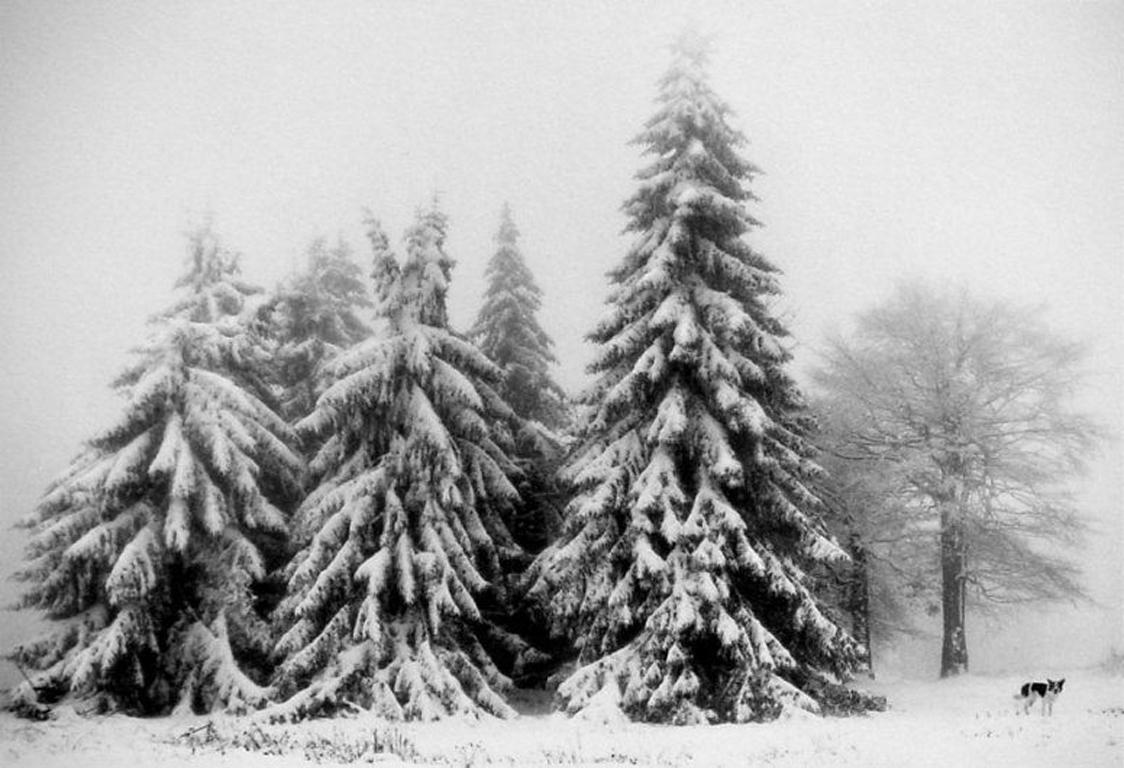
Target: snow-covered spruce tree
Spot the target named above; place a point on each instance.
(681, 572)
(145, 552)
(387, 602)
(315, 316)
(507, 330)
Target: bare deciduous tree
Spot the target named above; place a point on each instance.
(962, 411)
(887, 578)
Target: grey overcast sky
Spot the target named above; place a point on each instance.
(979, 142)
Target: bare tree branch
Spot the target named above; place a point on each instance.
(948, 422)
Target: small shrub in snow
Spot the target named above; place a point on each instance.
(24, 703)
(840, 700)
(337, 747)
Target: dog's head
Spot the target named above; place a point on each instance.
(1054, 686)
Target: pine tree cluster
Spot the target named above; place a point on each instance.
(328, 498)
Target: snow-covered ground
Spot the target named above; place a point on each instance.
(965, 722)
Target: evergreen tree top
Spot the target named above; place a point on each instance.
(213, 322)
(507, 233)
(322, 302)
(507, 271)
(690, 216)
(333, 272)
(210, 286)
(508, 331)
(314, 317)
(697, 162)
(413, 291)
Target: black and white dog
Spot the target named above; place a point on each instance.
(1047, 692)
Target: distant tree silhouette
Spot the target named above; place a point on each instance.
(960, 413)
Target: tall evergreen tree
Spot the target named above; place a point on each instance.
(146, 551)
(681, 570)
(387, 603)
(507, 330)
(316, 316)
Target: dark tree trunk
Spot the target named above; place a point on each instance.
(954, 647)
(858, 596)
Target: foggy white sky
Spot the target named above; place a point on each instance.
(978, 142)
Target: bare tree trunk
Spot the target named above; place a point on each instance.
(954, 647)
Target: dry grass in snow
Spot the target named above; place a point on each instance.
(970, 721)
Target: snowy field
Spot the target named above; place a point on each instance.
(966, 722)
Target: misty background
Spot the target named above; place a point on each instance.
(973, 143)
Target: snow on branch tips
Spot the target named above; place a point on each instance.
(152, 526)
(402, 529)
(665, 576)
